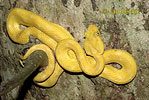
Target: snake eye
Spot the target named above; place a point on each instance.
(97, 33)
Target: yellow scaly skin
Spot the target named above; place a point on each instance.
(62, 52)
(125, 75)
(50, 34)
(51, 61)
(93, 46)
(127, 62)
(92, 43)
(86, 63)
(19, 17)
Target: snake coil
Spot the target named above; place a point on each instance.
(69, 54)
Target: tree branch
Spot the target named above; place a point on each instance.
(35, 60)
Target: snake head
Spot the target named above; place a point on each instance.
(93, 43)
(92, 31)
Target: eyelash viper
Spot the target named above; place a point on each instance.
(69, 54)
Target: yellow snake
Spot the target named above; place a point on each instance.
(68, 52)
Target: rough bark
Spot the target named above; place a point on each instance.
(122, 31)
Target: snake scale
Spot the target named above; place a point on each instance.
(67, 54)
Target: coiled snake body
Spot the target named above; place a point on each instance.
(69, 54)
